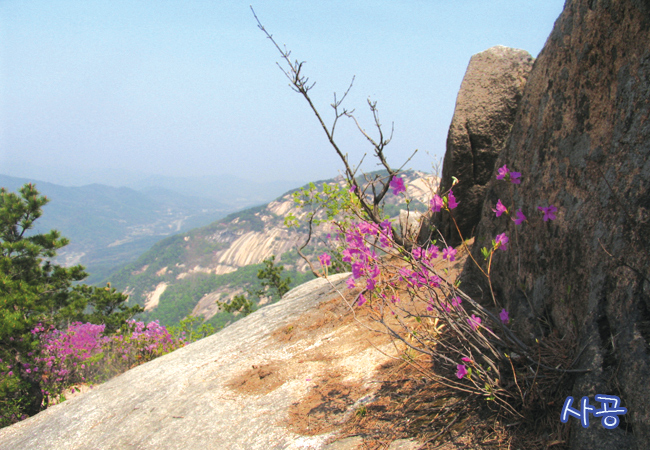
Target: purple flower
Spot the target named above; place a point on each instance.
(455, 302)
(352, 188)
(361, 300)
(451, 203)
(468, 360)
(462, 371)
(502, 241)
(549, 212)
(432, 252)
(514, 177)
(449, 253)
(405, 273)
(503, 315)
(436, 203)
(474, 322)
(350, 283)
(502, 172)
(520, 217)
(397, 185)
(500, 208)
(357, 269)
(325, 259)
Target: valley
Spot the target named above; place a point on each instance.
(189, 271)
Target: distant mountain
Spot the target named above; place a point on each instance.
(110, 226)
(186, 273)
(228, 190)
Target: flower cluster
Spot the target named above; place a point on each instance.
(432, 297)
(361, 239)
(83, 354)
(503, 173)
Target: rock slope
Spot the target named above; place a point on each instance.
(284, 377)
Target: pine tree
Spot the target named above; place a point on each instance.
(34, 290)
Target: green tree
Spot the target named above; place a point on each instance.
(239, 303)
(273, 285)
(33, 291)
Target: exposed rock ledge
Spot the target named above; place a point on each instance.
(251, 386)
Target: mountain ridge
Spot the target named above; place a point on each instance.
(108, 225)
(225, 256)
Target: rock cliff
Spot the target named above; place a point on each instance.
(581, 140)
(485, 110)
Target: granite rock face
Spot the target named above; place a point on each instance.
(581, 140)
(283, 377)
(485, 111)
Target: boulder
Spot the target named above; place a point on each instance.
(485, 110)
(581, 140)
(284, 377)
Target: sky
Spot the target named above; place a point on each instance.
(191, 88)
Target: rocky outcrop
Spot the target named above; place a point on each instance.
(485, 110)
(581, 140)
(237, 241)
(285, 377)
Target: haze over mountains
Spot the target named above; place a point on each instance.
(109, 226)
(231, 191)
(187, 273)
(177, 254)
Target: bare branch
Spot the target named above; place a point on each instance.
(300, 84)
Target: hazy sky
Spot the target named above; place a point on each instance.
(190, 88)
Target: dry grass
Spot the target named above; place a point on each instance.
(410, 405)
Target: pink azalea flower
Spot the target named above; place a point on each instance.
(549, 212)
(503, 315)
(449, 253)
(451, 200)
(357, 269)
(455, 302)
(350, 283)
(405, 273)
(474, 322)
(467, 360)
(361, 300)
(436, 203)
(502, 172)
(325, 259)
(502, 241)
(514, 177)
(500, 208)
(462, 371)
(397, 185)
(432, 252)
(520, 217)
